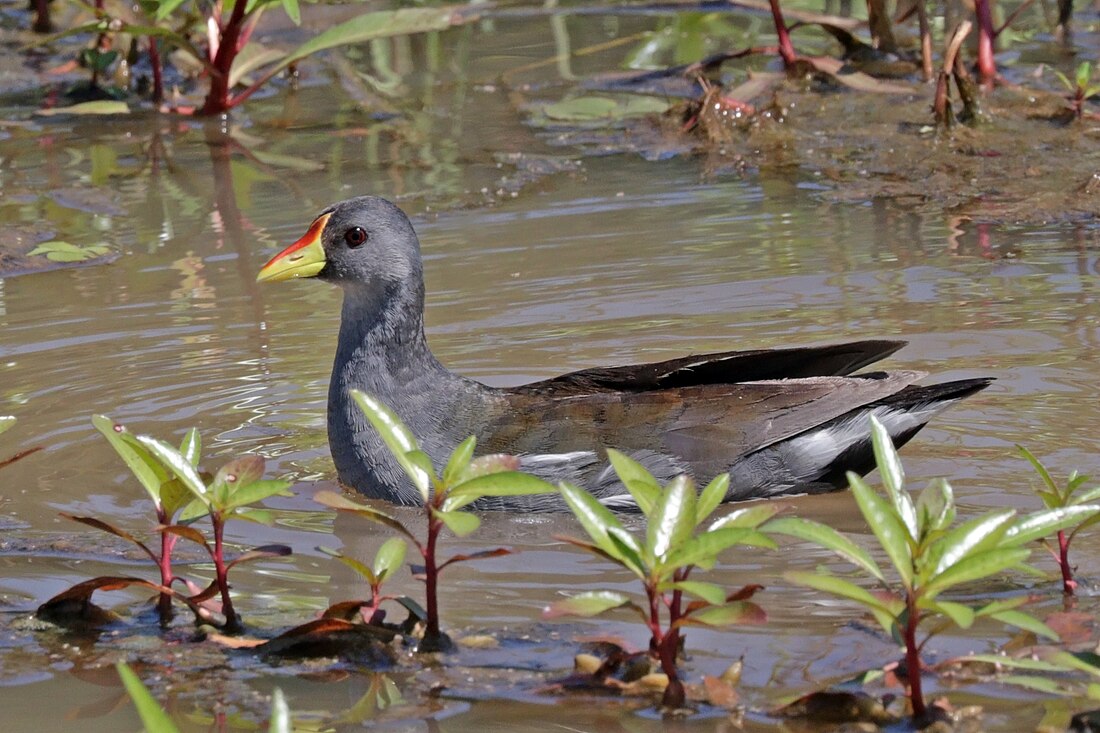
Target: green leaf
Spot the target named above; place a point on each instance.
(709, 592)
(1040, 469)
(174, 461)
(292, 11)
(703, 549)
(673, 519)
(935, 507)
(974, 567)
(460, 523)
(827, 537)
(389, 557)
(460, 458)
(257, 491)
(711, 497)
(191, 447)
(593, 516)
(1027, 622)
(738, 612)
(398, 438)
(238, 472)
(1042, 524)
(893, 477)
(7, 421)
(166, 7)
(281, 721)
(637, 480)
(846, 589)
(194, 509)
(149, 710)
(341, 503)
(359, 567)
(252, 57)
(959, 613)
(141, 463)
(629, 550)
(505, 483)
(972, 536)
(752, 517)
(100, 107)
(887, 527)
(591, 603)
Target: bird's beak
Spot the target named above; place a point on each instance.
(304, 258)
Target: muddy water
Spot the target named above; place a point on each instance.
(597, 260)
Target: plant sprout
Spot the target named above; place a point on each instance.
(931, 554)
(464, 480)
(665, 558)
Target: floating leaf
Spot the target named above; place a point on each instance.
(100, 107)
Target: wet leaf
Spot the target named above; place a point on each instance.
(389, 557)
(141, 462)
(459, 460)
(738, 612)
(174, 461)
(703, 549)
(936, 506)
(593, 516)
(629, 549)
(501, 483)
(74, 605)
(751, 517)
(637, 480)
(188, 533)
(100, 107)
(460, 523)
(893, 477)
(592, 603)
(333, 637)
(398, 438)
(886, 525)
(827, 537)
(255, 492)
(1040, 469)
(830, 706)
(257, 553)
(974, 567)
(884, 611)
(1042, 524)
(341, 503)
(969, 537)
(149, 710)
(359, 567)
(961, 614)
(111, 529)
(673, 519)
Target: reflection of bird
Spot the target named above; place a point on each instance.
(780, 421)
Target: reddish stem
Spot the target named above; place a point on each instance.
(670, 646)
(912, 659)
(1069, 585)
(217, 99)
(987, 69)
(158, 72)
(232, 620)
(431, 582)
(786, 48)
(167, 577)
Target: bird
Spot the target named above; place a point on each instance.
(780, 421)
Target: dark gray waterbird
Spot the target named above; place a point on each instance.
(780, 421)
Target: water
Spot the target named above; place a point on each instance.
(612, 260)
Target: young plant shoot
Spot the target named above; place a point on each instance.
(665, 558)
(464, 480)
(931, 554)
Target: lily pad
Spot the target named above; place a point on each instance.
(58, 251)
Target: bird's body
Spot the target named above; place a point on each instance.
(779, 421)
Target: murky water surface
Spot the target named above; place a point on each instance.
(593, 261)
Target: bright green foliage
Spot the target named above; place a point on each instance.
(464, 480)
(1073, 494)
(675, 543)
(57, 251)
(930, 554)
(1080, 89)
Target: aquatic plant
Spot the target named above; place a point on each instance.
(387, 560)
(181, 496)
(6, 422)
(464, 480)
(1080, 88)
(1057, 497)
(665, 558)
(931, 554)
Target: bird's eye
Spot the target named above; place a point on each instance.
(355, 236)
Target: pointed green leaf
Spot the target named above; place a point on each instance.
(1042, 524)
(505, 483)
(974, 535)
(257, 491)
(336, 501)
(893, 477)
(149, 710)
(174, 461)
(460, 523)
(709, 592)
(292, 11)
(398, 438)
(351, 562)
(703, 549)
(738, 612)
(1027, 622)
(281, 721)
(149, 473)
(887, 527)
(629, 550)
(637, 480)
(194, 509)
(959, 613)
(593, 516)
(389, 557)
(1088, 496)
(592, 603)
(6, 421)
(485, 465)
(827, 537)
(459, 460)
(1040, 469)
(673, 518)
(847, 589)
(973, 567)
(935, 507)
(191, 447)
(711, 497)
(752, 517)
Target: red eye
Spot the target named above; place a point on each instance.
(355, 236)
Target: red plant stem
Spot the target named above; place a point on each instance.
(167, 577)
(232, 620)
(158, 72)
(987, 69)
(786, 49)
(217, 99)
(431, 580)
(670, 645)
(1068, 583)
(912, 659)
